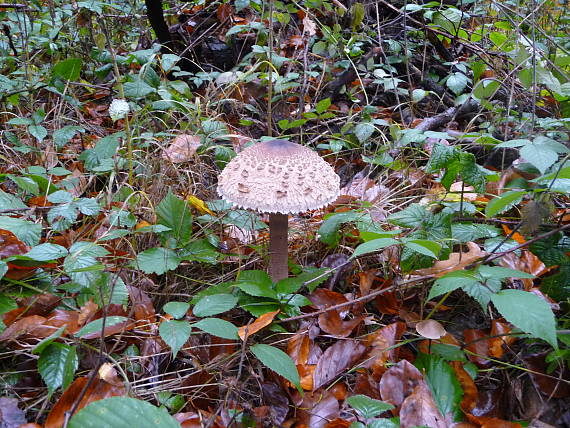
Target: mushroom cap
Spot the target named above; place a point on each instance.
(278, 176)
(430, 329)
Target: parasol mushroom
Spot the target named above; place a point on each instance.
(280, 178)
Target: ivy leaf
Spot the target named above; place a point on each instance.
(175, 333)
(278, 361)
(57, 365)
(157, 260)
(528, 312)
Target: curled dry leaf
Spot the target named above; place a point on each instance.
(419, 409)
(309, 26)
(182, 148)
(456, 261)
(499, 338)
(97, 390)
(69, 319)
(468, 386)
(398, 383)
(41, 304)
(261, 322)
(330, 322)
(339, 357)
(477, 346)
(87, 311)
(381, 347)
(430, 329)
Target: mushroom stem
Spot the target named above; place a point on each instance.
(278, 225)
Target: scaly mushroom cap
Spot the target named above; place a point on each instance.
(278, 177)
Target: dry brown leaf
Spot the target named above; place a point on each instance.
(97, 390)
(317, 409)
(337, 358)
(108, 373)
(477, 346)
(261, 322)
(330, 322)
(28, 327)
(60, 318)
(468, 386)
(456, 261)
(86, 312)
(182, 148)
(398, 383)
(142, 305)
(419, 409)
(553, 386)
(381, 347)
(499, 329)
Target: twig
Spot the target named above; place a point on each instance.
(13, 6)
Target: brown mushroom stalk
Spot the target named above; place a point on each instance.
(280, 178)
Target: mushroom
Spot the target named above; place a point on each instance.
(280, 178)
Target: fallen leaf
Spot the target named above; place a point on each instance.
(495, 344)
(470, 392)
(456, 261)
(142, 306)
(97, 390)
(337, 358)
(398, 383)
(183, 147)
(330, 322)
(261, 322)
(317, 409)
(553, 386)
(419, 409)
(199, 204)
(309, 26)
(381, 347)
(28, 327)
(477, 346)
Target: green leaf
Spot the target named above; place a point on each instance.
(323, 105)
(44, 343)
(38, 131)
(218, 327)
(528, 312)
(457, 82)
(214, 304)
(363, 131)
(7, 304)
(452, 281)
(68, 69)
(175, 334)
(539, 155)
(329, 230)
(62, 136)
(87, 206)
(410, 216)
(137, 89)
(97, 325)
(81, 264)
(26, 231)
(176, 309)
(278, 361)
(442, 382)
(293, 284)
(368, 407)
(497, 272)
(504, 202)
(26, 184)
(9, 202)
(157, 260)
(467, 232)
(424, 246)
(174, 213)
(103, 151)
(200, 250)
(374, 245)
(57, 365)
(47, 251)
(122, 412)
